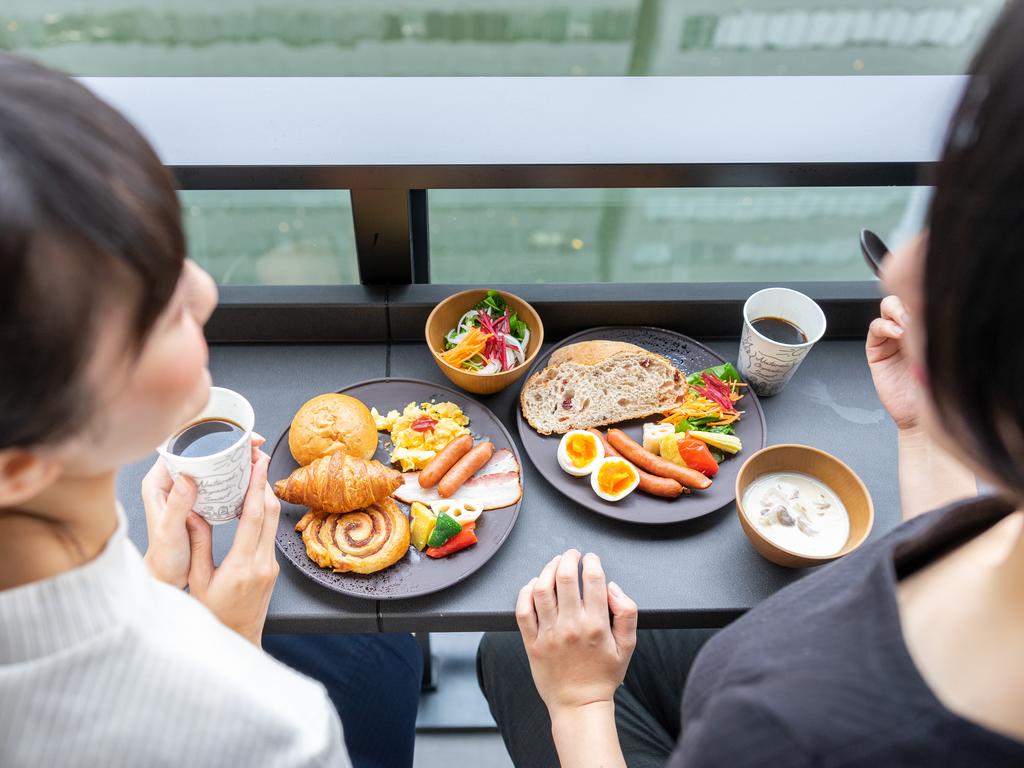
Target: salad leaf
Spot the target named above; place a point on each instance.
(718, 455)
(492, 302)
(724, 429)
(517, 326)
(725, 372)
(702, 425)
(702, 422)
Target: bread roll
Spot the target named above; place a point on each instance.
(330, 423)
(592, 352)
(593, 383)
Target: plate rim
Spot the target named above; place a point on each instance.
(607, 509)
(517, 507)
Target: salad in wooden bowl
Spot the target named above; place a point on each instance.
(483, 340)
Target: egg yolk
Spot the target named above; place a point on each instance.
(581, 449)
(614, 477)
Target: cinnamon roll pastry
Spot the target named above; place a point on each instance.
(316, 551)
(365, 541)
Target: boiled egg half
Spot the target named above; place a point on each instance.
(614, 478)
(579, 452)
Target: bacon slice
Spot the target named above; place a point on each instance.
(495, 485)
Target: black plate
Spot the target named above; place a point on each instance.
(689, 356)
(415, 574)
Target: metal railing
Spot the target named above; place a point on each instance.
(390, 140)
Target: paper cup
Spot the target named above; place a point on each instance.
(768, 365)
(223, 477)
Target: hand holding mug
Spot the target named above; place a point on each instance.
(238, 590)
(168, 504)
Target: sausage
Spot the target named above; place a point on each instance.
(465, 468)
(652, 484)
(656, 465)
(445, 459)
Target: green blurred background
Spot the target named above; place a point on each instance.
(480, 236)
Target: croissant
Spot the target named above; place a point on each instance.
(339, 483)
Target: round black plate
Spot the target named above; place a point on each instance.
(415, 574)
(689, 356)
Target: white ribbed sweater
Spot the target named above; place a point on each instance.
(105, 666)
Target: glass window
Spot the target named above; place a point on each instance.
(491, 37)
(276, 237)
(663, 235)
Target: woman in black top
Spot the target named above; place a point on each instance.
(907, 652)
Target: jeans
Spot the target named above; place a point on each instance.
(647, 704)
(374, 682)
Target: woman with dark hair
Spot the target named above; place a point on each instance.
(104, 660)
(909, 651)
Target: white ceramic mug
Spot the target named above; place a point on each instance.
(768, 365)
(221, 478)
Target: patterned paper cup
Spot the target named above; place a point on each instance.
(223, 477)
(768, 365)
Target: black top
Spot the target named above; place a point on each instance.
(819, 674)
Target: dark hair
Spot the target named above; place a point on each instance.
(974, 270)
(88, 215)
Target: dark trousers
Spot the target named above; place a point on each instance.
(647, 704)
(374, 682)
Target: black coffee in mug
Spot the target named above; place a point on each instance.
(779, 330)
(205, 438)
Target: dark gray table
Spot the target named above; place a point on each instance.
(700, 573)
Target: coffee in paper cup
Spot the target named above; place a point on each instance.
(767, 364)
(222, 477)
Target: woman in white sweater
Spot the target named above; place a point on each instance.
(104, 659)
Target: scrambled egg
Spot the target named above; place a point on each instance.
(411, 448)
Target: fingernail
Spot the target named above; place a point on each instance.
(615, 589)
(898, 330)
(904, 318)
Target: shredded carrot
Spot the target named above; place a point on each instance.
(697, 406)
(472, 344)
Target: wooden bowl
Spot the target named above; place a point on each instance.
(444, 317)
(821, 466)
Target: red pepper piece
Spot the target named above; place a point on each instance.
(465, 538)
(424, 424)
(696, 456)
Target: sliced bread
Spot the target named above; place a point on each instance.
(594, 383)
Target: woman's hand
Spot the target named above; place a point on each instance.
(887, 358)
(577, 655)
(168, 505)
(238, 590)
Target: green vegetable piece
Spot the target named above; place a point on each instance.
(724, 429)
(719, 456)
(445, 528)
(702, 422)
(729, 372)
(492, 303)
(725, 372)
(517, 326)
(683, 426)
